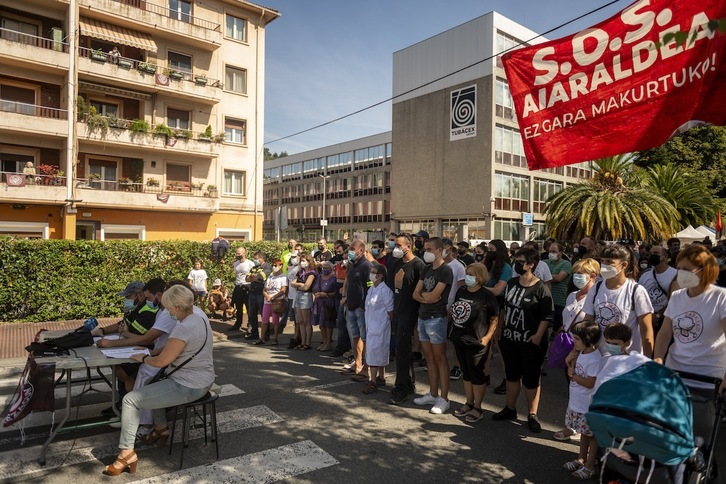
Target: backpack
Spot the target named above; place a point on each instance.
(219, 248)
(645, 411)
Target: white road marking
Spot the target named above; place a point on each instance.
(322, 387)
(261, 467)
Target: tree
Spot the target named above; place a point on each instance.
(612, 205)
(702, 149)
(273, 156)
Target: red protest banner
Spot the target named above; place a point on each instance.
(626, 84)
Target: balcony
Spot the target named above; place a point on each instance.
(103, 130)
(32, 119)
(159, 20)
(146, 77)
(19, 48)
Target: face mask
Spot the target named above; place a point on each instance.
(490, 257)
(321, 248)
(293, 261)
(238, 257)
(375, 252)
(373, 277)
(462, 251)
(581, 250)
(687, 279)
(580, 280)
(257, 262)
(418, 244)
(479, 257)
(654, 259)
(469, 280)
(614, 350)
(429, 257)
(554, 256)
(150, 304)
(352, 256)
(644, 265)
(391, 244)
(276, 268)
(173, 317)
(397, 253)
(129, 305)
(608, 272)
(445, 254)
(327, 272)
(519, 267)
(304, 264)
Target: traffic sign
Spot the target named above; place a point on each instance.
(527, 219)
(323, 222)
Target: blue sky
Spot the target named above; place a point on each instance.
(328, 58)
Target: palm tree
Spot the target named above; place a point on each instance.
(686, 192)
(614, 204)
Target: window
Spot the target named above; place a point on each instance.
(579, 170)
(505, 42)
(543, 190)
(503, 101)
(508, 149)
(15, 99)
(26, 230)
(19, 31)
(235, 80)
(235, 130)
(14, 163)
(511, 192)
(105, 108)
(105, 170)
(292, 170)
(177, 119)
(177, 173)
(234, 182)
(508, 230)
(123, 232)
(181, 63)
(180, 10)
(236, 28)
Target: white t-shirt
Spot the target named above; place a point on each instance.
(199, 279)
(657, 286)
(459, 272)
(617, 365)
(274, 284)
(573, 312)
(587, 366)
(241, 269)
(699, 344)
(165, 324)
(616, 306)
(542, 272)
(291, 277)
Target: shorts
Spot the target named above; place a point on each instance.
(356, 323)
(577, 422)
(303, 300)
(523, 361)
(433, 330)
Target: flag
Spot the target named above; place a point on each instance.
(626, 84)
(719, 225)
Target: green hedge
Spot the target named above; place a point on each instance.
(50, 280)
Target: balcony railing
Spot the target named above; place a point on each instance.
(45, 180)
(9, 106)
(128, 186)
(34, 40)
(101, 124)
(165, 11)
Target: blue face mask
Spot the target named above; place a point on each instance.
(375, 252)
(614, 350)
(129, 305)
(391, 244)
(151, 304)
(173, 317)
(351, 256)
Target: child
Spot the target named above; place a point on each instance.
(583, 372)
(219, 300)
(198, 279)
(621, 359)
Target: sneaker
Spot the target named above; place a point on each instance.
(455, 373)
(425, 399)
(441, 406)
(505, 414)
(502, 388)
(293, 343)
(533, 423)
(398, 396)
(252, 336)
(337, 354)
(348, 354)
(417, 356)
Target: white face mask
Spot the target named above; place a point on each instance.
(373, 277)
(469, 280)
(688, 279)
(643, 265)
(397, 253)
(304, 264)
(554, 256)
(445, 254)
(608, 272)
(429, 257)
(580, 280)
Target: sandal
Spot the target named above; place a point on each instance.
(349, 371)
(259, 342)
(370, 387)
(360, 377)
(155, 435)
(572, 465)
(125, 463)
(380, 381)
(464, 410)
(305, 347)
(583, 473)
(474, 415)
(563, 435)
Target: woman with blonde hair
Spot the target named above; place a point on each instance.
(304, 300)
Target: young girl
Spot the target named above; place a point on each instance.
(583, 373)
(198, 279)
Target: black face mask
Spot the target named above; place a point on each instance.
(582, 250)
(418, 244)
(238, 257)
(654, 259)
(490, 257)
(479, 257)
(462, 251)
(320, 247)
(519, 267)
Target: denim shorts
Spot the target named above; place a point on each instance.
(356, 323)
(433, 330)
(303, 300)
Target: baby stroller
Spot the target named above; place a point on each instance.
(655, 429)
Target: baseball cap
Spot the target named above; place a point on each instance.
(131, 288)
(463, 243)
(217, 282)
(422, 234)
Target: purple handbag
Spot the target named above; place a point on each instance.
(561, 347)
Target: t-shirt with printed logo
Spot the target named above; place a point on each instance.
(431, 278)
(526, 308)
(470, 315)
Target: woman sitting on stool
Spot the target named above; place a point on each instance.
(189, 383)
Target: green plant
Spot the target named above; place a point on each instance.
(94, 176)
(137, 169)
(116, 122)
(152, 182)
(182, 133)
(208, 131)
(148, 67)
(98, 54)
(80, 108)
(197, 186)
(125, 180)
(211, 187)
(139, 126)
(163, 129)
(219, 138)
(95, 121)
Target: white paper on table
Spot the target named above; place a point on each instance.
(110, 337)
(124, 352)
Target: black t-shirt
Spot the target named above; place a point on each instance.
(404, 303)
(358, 278)
(391, 264)
(302, 278)
(322, 255)
(526, 307)
(466, 259)
(470, 315)
(431, 278)
(257, 285)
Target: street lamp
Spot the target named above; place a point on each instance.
(324, 221)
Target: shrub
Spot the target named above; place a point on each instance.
(51, 280)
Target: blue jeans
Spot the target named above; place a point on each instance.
(356, 319)
(157, 396)
(256, 302)
(432, 330)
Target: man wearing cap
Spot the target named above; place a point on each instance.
(462, 253)
(719, 252)
(138, 321)
(218, 300)
(419, 239)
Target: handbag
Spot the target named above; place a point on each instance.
(163, 375)
(561, 346)
(278, 306)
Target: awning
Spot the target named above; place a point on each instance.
(112, 33)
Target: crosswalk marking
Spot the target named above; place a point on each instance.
(261, 467)
(321, 387)
(24, 461)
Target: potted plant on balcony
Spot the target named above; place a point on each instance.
(197, 186)
(200, 80)
(147, 67)
(164, 130)
(98, 55)
(152, 182)
(94, 180)
(139, 126)
(116, 122)
(219, 138)
(95, 121)
(124, 63)
(125, 183)
(174, 74)
(207, 135)
(182, 133)
(212, 191)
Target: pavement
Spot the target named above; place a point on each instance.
(289, 416)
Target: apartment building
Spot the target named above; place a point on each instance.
(339, 192)
(132, 119)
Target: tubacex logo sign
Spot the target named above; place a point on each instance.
(463, 113)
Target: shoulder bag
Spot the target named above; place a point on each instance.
(163, 375)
